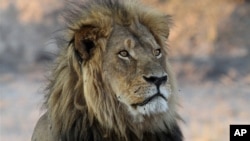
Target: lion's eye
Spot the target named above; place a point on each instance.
(124, 53)
(157, 52)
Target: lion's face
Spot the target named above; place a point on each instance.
(124, 64)
(135, 68)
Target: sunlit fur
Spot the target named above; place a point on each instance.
(81, 104)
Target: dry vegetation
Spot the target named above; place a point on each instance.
(210, 52)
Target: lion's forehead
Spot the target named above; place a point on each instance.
(129, 38)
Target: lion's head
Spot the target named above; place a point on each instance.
(113, 74)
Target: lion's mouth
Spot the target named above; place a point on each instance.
(146, 101)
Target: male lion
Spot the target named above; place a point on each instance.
(112, 81)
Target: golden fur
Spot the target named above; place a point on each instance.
(94, 96)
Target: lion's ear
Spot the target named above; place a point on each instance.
(85, 41)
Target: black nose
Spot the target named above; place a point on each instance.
(156, 80)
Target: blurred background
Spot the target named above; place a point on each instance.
(209, 48)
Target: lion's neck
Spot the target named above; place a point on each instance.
(95, 132)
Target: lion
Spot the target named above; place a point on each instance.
(112, 80)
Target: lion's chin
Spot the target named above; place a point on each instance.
(156, 106)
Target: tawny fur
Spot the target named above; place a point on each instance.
(81, 105)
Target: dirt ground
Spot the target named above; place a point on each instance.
(209, 50)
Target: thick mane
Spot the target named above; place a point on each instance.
(80, 105)
(104, 13)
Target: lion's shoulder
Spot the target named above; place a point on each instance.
(42, 131)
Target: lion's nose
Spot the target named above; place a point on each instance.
(156, 80)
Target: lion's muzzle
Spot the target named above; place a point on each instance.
(146, 101)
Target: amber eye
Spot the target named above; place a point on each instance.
(157, 52)
(124, 53)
